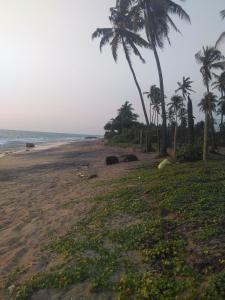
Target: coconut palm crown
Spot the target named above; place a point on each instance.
(122, 34)
(222, 36)
(210, 59)
(185, 87)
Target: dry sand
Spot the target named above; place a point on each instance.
(36, 193)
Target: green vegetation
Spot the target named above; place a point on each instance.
(157, 235)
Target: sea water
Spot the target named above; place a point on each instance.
(15, 140)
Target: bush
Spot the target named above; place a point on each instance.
(189, 153)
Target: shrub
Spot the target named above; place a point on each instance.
(189, 153)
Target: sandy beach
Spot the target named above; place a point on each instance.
(43, 193)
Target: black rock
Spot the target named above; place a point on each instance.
(111, 160)
(30, 145)
(128, 158)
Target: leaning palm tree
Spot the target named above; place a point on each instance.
(122, 34)
(210, 59)
(185, 87)
(175, 107)
(155, 18)
(222, 36)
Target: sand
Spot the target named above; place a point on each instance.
(42, 194)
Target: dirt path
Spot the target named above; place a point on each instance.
(42, 194)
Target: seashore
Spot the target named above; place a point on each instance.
(42, 194)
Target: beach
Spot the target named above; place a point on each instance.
(43, 193)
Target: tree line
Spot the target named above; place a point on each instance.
(137, 24)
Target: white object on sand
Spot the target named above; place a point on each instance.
(164, 163)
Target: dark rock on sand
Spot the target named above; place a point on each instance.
(30, 145)
(111, 160)
(128, 158)
(92, 176)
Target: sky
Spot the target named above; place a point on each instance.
(53, 77)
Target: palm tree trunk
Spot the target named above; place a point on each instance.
(150, 113)
(191, 136)
(175, 140)
(213, 132)
(205, 143)
(163, 149)
(148, 146)
(151, 39)
(158, 137)
(211, 120)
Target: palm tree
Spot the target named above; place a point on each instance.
(155, 98)
(157, 21)
(175, 107)
(122, 34)
(221, 110)
(222, 36)
(207, 105)
(210, 59)
(219, 84)
(185, 88)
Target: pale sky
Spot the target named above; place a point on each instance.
(53, 77)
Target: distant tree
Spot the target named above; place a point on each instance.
(210, 59)
(207, 105)
(182, 115)
(154, 96)
(222, 36)
(175, 107)
(185, 87)
(109, 127)
(221, 109)
(122, 34)
(219, 84)
(125, 119)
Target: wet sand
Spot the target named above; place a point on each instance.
(42, 193)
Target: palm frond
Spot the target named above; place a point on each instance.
(222, 13)
(114, 46)
(220, 39)
(176, 9)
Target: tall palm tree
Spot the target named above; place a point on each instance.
(122, 34)
(222, 36)
(175, 107)
(185, 87)
(157, 21)
(210, 59)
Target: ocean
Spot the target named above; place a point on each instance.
(15, 140)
